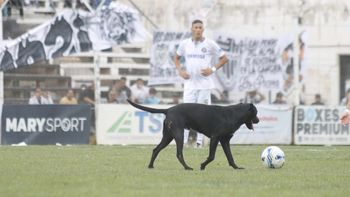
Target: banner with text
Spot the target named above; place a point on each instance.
(320, 125)
(45, 124)
(163, 69)
(254, 63)
(123, 124)
(275, 127)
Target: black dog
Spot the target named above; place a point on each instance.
(219, 123)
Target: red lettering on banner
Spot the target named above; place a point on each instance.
(268, 118)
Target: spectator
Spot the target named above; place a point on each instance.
(279, 99)
(48, 97)
(175, 100)
(122, 91)
(87, 96)
(112, 97)
(152, 97)
(37, 98)
(254, 97)
(139, 91)
(82, 89)
(69, 98)
(117, 85)
(318, 100)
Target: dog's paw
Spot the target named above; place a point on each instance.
(150, 167)
(188, 168)
(236, 167)
(202, 167)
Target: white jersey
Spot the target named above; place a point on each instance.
(199, 55)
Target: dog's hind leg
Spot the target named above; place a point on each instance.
(212, 150)
(167, 138)
(225, 143)
(179, 139)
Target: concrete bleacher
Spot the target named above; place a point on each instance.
(73, 71)
(20, 84)
(130, 61)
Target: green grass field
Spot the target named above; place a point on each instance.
(122, 171)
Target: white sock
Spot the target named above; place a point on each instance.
(200, 138)
(186, 133)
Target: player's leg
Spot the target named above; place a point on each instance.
(188, 97)
(204, 98)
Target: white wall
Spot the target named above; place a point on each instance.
(327, 23)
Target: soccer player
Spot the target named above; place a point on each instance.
(198, 52)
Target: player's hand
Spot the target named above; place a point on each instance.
(184, 74)
(345, 117)
(206, 71)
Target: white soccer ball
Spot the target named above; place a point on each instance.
(273, 157)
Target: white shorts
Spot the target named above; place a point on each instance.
(197, 96)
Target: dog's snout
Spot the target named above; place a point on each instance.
(256, 120)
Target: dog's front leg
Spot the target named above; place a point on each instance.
(212, 150)
(225, 143)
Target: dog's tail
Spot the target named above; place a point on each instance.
(148, 109)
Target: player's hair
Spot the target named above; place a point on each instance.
(197, 21)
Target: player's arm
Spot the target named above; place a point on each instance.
(182, 72)
(88, 100)
(208, 71)
(222, 60)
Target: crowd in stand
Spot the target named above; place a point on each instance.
(118, 93)
(139, 92)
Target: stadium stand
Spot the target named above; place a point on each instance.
(130, 61)
(57, 76)
(19, 84)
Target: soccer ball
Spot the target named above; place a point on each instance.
(273, 157)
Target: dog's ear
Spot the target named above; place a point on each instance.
(252, 108)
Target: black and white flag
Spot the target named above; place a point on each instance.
(263, 63)
(74, 31)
